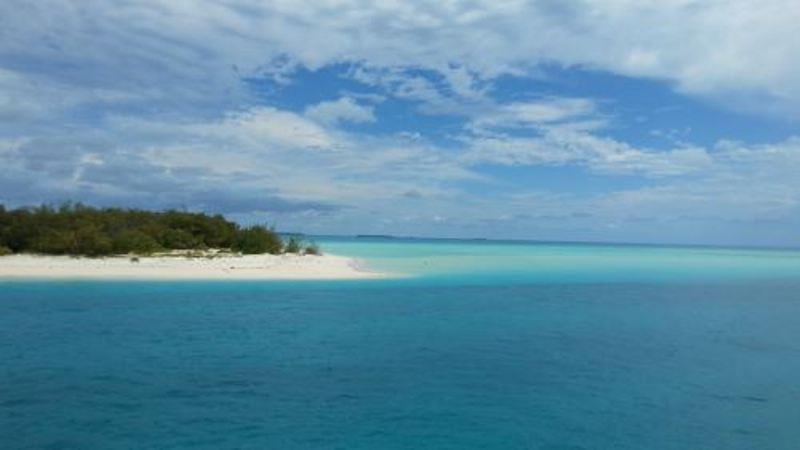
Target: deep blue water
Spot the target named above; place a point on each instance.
(438, 362)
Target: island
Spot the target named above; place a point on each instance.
(76, 241)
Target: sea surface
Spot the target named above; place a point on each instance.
(479, 345)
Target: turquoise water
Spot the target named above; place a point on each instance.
(493, 262)
(484, 345)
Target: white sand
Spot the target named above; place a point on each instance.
(230, 267)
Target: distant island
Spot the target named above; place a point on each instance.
(80, 230)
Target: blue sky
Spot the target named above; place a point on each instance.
(671, 122)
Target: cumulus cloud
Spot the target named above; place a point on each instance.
(267, 126)
(151, 103)
(344, 109)
(709, 49)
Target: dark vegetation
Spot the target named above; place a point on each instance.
(293, 245)
(76, 229)
(297, 244)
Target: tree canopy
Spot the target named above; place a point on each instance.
(76, 229)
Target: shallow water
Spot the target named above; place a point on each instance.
(493, 262)
(590, 347)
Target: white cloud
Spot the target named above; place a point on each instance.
(535, 113)
(560, 131)
(743, 183)
(292, 155)
(372, 176)
(271, 125)
(434, 98)
(705, 48)
(160, 106)
(28, 97)
(599, 154)
(266, 126)
(344, 109)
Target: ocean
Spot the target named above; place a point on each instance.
(480, 345)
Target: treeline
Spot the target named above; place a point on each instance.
(76, 229)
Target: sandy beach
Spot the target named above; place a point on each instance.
(227, 267)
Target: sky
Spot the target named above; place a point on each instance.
(669, 121)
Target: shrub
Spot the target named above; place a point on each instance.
(218, 232)
(5, 250)
(55, 242)
(135, 241)
(90, 241)
(76, 229)
(179, 239)
(257, 239)
(312, 249)
(292, 245)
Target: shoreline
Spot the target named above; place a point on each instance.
(178, 267)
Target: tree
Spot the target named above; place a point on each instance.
(77, 229)
(258, 239)
(135, 241)
(180, 239)
(91, 241)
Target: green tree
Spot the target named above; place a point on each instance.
(135, 241)
(258, 239)
(77, 229)
(180, 239)
(91, 241)
(54, 242)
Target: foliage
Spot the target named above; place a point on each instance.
(4, 250)
(180, 239)
(312, 249)
(135, 241)
(293, 245)
(299, 245)
(76, 229)
(258, 239)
